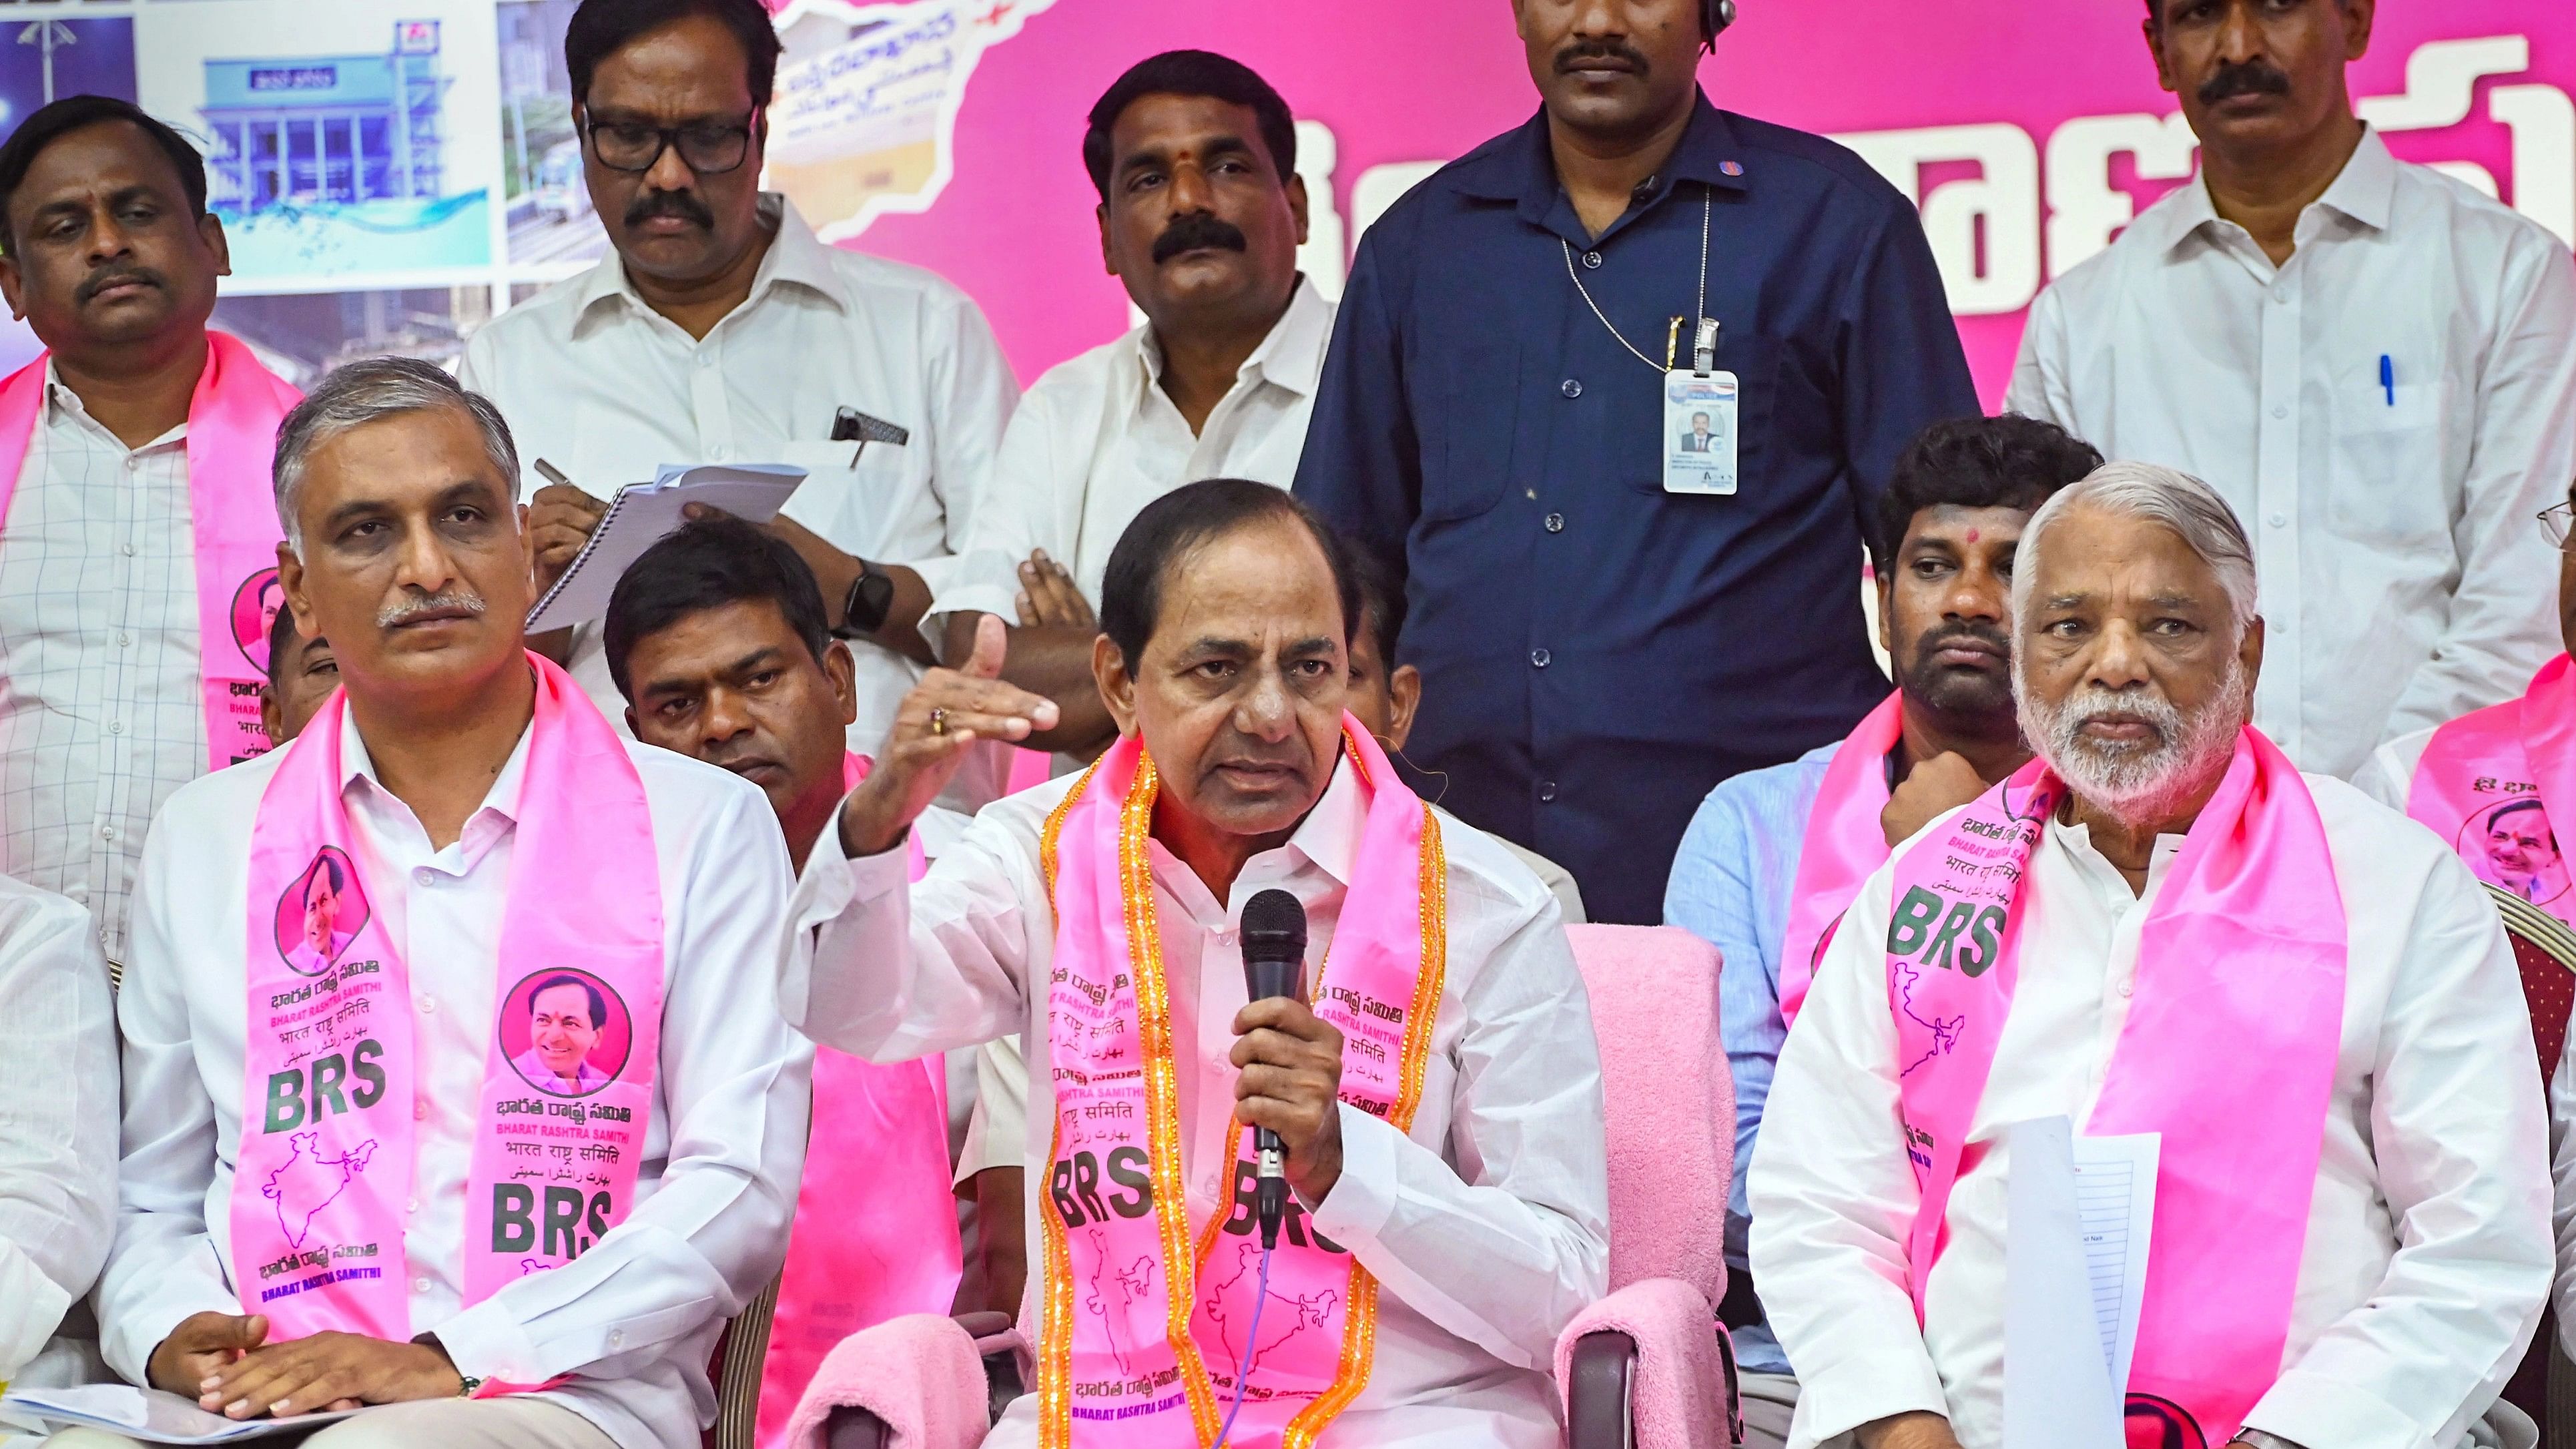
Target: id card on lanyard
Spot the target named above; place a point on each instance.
(1697, 441)
(1699, 421)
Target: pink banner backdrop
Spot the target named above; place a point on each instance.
(947, 132)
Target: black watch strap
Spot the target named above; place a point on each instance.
(871, 600)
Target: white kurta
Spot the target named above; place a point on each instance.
(58, 1118)
(2426, 1259)
(1097, 439)
(2404, 581)
(634, 1319)
(1487, 1225)
(606, 389)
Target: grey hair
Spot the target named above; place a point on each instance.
(2167, 496)
(370, 390)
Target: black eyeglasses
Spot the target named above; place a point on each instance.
(710, 148)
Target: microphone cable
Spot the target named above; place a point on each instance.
(1243, 1370)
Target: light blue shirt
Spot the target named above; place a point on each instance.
(1730, 887)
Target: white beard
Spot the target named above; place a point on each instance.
(2137, 785)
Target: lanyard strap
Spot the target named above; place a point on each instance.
(1704, 338)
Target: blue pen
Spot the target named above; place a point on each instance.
(2388, 378)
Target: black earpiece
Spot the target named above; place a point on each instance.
(1714, 17)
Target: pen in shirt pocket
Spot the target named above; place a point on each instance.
(2388, 378)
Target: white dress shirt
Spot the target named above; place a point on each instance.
(102, 715)
(58, 1118)
(635, 1318)
(2406, 581)
(2425, 1264)
(1488, 1225)
(607, 389)
(1097, 439)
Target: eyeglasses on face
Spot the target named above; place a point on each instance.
(709, 148)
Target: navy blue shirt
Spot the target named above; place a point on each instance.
(1598, 654)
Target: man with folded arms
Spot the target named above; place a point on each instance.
(1201, 214)
(1440, 1101)
(138, 544)
(1774, 855)
(715, 636)
(2159, 925)
(338, 1188)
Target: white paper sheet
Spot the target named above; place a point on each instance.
(2057, 1384)
(2115, 1204)
(642, 514)
(151, 1415)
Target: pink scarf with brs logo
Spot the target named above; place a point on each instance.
(324, 1169)
(232, 515)
(880, 1138)
(1843, 846)
(1143, 1331)
(2489, 780)
(2228, 1050)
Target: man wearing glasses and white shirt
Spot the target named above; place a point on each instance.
(2373, 363)
(721, 330)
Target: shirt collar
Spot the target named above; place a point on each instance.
(1292, 355)
(1330, 834)
(2365, 191)
(500, 802)
(795, 255)
(1520, 167)
(61, 403)
(2077, 841)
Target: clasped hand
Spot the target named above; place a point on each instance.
(225, 1362)
(1288, 1064)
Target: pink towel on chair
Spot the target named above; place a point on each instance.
(1670, 1101)
(1678, 1393)
(919, 1373)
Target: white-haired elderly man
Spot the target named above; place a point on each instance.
(2160, 926)
(340, 1184)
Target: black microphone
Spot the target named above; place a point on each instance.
(1274, 961)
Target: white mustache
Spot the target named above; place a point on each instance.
(395, 615)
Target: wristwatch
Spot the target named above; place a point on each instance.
(871, 599)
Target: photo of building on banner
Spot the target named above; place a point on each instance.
(351, 141)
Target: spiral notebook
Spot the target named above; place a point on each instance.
(642, 514)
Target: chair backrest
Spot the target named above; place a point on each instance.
(1669, 1099)
(741, 1354)
(2546, 951)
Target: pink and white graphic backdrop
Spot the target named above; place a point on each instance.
(2026, 132)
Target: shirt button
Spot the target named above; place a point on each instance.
(1538, 658)
(420, 1110)
(616, 1337)
(1547, 789)
(133, 463)
(1592, 259)
(718, 452)
(2280, 410)
(124, 639)
(2281, 294)
(425, 876)
(412, 1206)
(1556, 523)
(107, 832)
(1571, 387)
(2280, 520)
(2127, 987)
(127, 550)
(116, 726)
(428, 1005)
(420, 1283)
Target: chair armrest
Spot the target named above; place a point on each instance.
(851, 1427)
(1597, 1414)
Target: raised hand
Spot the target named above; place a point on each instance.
(945, 714)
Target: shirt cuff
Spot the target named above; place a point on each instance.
(36, 1307)
(485, 1342)
(2313, 1408)
(1869, 1377)
(128, 1335)
(1362, 1199)
(977, 598)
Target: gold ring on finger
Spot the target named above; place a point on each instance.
(939, 721)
